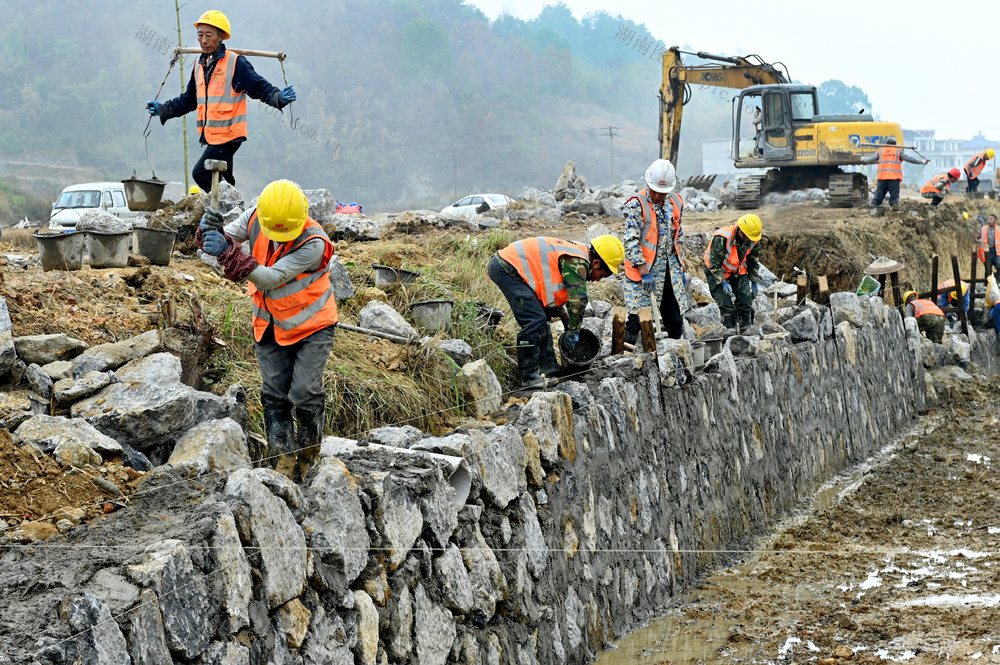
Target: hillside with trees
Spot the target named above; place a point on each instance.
(400, 104)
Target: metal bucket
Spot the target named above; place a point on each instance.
(698, 351)
(432, 315)
(390, 275)
(143, 194)
(488, 317)
(61, 251)
(713, 345)
(155, 244)
(108, 250)
(586, 349)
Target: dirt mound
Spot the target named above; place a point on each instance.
(34, 487)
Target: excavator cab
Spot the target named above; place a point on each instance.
(770, 114)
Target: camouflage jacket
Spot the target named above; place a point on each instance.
(575, 272)
(717, 255)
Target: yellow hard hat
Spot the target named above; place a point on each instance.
(908, 295)
(965, 215)
(989, 153)
(950, 285)
(611, 250)
(194, 190)
(216, 19)
(282, 210)
(751, 226)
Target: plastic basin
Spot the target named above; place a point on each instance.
(155, 244)
(61, 251)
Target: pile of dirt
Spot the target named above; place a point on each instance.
(36, 488)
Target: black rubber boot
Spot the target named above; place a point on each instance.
(632, 329)
(527, 360)
(280, 431)
(729, 320)
(308, 437)
(746, 320)
(547, 364)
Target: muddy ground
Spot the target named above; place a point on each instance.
(897, 562)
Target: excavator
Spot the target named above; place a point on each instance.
(798, 147)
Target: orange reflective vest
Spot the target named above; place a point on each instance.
(649, 237)
(931, 187)
(733, 263)
(950, 284)
(890, 166)
(302, 306)
(984, 243)
(537, 261)
(921, 307)
(222, 112)
(975, 166)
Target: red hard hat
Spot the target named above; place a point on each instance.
(955, 173)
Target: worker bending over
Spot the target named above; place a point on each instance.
(930, 318)
(732, 260)
(218, 89)
(890, 170)
(654, 257)
(950, 299)
(974, 167)
(937, 187)
(538, 276)
(294, 313)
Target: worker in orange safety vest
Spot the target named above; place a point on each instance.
(974, 167)
(937, 187)
(930, 318)
(220, 83)
(890, 170)
(294, 313)
(989, 245)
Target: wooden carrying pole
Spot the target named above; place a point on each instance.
(280, 55)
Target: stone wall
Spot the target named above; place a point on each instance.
(535, 539)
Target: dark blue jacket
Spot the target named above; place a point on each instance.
(245, 79)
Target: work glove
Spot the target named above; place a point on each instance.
(236, 264)
(570, 339)
(684, 276)
(727, 287)
(648, 283)
(214, 243)
(153, 107)
(753, 289)
(211, 220)
(288, 94)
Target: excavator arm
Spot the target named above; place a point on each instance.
(737, 72)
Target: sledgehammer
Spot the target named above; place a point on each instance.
(216, 166)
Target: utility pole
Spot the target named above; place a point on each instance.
(454, 174)
(611, 137)
(177, 10)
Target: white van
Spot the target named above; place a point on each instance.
(77, 199)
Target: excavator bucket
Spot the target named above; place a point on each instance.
(702, 182)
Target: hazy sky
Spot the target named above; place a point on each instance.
(921, 63)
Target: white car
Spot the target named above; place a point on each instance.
(78, 199)
(475, 204)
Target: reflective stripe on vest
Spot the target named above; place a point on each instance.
(733, 263)
(222, 113)
(921, 307)
(649, 236)
(300, 306)
(971, 169)
(950, 284)
(890, 166)
(984, 243)
(537, 262)
(931, 186)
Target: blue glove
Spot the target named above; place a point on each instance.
(753, 288)
(684, 276)
(570, 339)
(727, 287)
(648, 283)
(153, 107)
(215, 243)
(288, 94)
(211, 220)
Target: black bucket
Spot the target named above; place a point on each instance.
(585, 351)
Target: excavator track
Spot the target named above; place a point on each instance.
(748, 192)
(848, 190)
